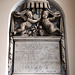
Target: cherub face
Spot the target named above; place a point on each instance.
(29, 14)
(45, 14)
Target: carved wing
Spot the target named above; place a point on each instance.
(20, 14)
(56, 14)
(16, 14)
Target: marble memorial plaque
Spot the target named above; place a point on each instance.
(37, 57)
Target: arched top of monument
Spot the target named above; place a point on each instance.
(36, 4)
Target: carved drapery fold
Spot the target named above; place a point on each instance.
(37, 4)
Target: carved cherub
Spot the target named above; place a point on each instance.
(27, 24)
(47, 21)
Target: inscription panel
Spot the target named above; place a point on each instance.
(37, 57)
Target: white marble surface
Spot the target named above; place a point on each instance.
(37, 57)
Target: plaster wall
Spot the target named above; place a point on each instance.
(68, 7)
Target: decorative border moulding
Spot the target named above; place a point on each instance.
(53, 38)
